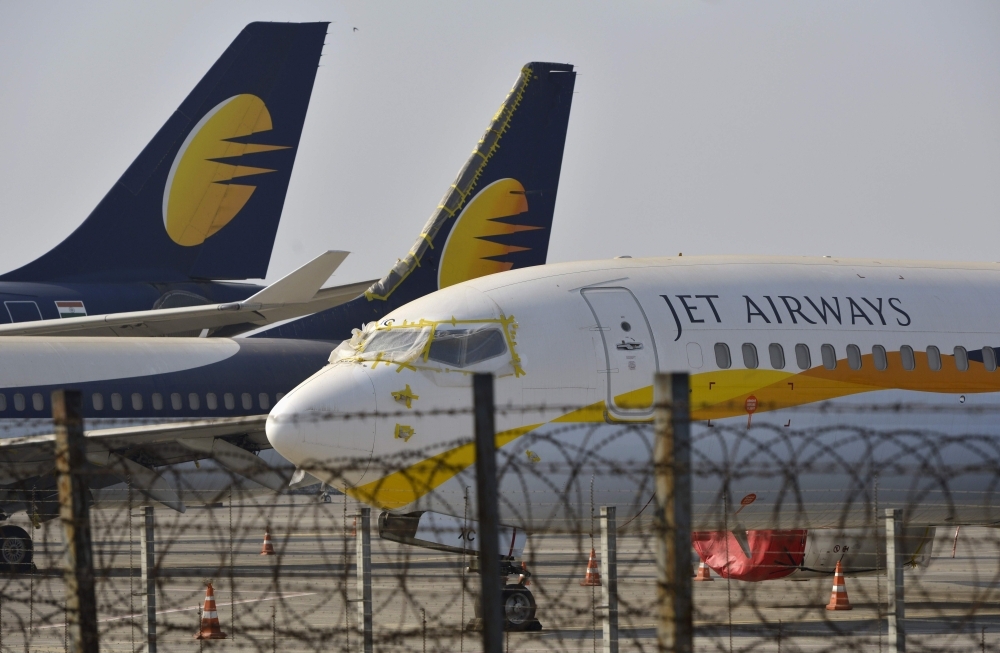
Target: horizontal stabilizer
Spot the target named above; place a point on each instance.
(301, 285)
(294, 295)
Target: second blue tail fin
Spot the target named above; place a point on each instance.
(204, 198)
(496, 216)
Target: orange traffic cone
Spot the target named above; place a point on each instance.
(703, 573)
(354, 527)
(593, 577)
(210, 628)
(524, 579)
(267, 549)
(838, 595)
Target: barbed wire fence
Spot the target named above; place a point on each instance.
(772, 510)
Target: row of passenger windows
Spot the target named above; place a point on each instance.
(803, 357)
(156, 401)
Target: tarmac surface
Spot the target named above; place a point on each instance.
(305, 597)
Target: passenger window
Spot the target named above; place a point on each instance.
(829, 355)
(853, 357)
(210, 401)
(136, 401)
(3, 401)
(18, 402)
(802, 357)
(722, 357)
(749, 356)
(934, 358)
(229, 400)
(98, 400)
(194, 401)
(175, 401)
(264, 400)
(879, 358)
(278, 397)
(247, 401)
(462, 348)
(961, 359)
(38, 402)
(989, 359)
(777, 355)
(907, 358)
(157, 401)
(116, 401)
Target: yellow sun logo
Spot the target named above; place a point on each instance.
(476, 244)
(199, 198)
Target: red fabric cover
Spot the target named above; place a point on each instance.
(775, 554)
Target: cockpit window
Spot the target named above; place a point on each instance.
(393, 341)
(465, 347)
(434, 345)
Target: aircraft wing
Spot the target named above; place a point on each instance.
(137, 453)
(299, 293)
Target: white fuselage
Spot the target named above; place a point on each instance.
(804, 427)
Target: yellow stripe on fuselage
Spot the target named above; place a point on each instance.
(405, 486)
(714, 395)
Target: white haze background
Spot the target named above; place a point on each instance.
(868, 129)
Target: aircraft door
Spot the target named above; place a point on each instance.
(630, 352)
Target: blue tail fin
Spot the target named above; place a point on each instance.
(204, 197)
(496, 216)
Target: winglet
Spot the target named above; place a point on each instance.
(301, 285)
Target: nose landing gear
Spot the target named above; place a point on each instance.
(517, 602)
(519, 609)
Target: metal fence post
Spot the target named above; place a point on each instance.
(147, 562)
(672, 462)
(364, 567)
(486, 496)
(894, 578)
(71, 459)
(609, 572)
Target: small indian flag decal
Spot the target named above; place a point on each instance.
(71, 309)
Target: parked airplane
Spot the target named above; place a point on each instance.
(496, 215)
(764, 339)
(200, 204)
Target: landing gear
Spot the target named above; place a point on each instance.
(517, 602)
(16, 549)
(519, 609)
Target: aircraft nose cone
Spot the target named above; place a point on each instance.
(327, 424)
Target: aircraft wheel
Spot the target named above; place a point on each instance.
(15, 548)
(519, 609)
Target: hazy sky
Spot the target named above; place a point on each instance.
(846, 128)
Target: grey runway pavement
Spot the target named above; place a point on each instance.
(304, 598)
